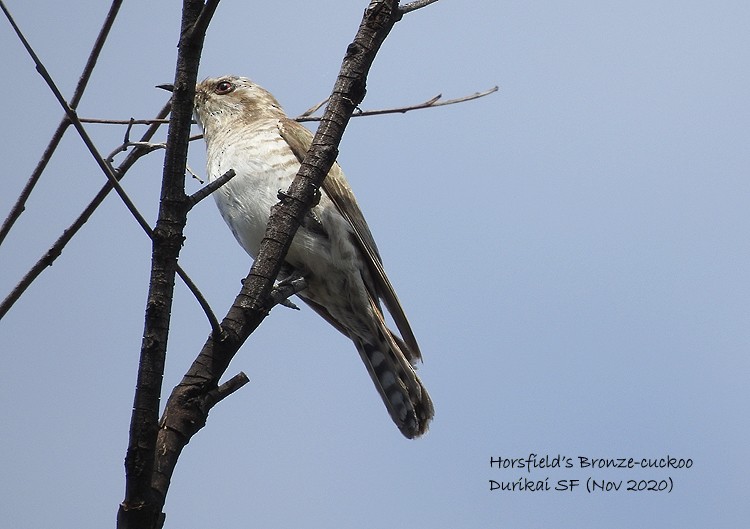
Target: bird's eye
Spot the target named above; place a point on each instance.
(224, 87)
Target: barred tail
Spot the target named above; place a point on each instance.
(399, 386)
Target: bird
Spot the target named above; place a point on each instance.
(246, 129)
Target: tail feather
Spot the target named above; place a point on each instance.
(390, 362)
(404, 396)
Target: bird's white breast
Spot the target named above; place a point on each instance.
(263, 164)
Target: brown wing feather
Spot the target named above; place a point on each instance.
(337, 189)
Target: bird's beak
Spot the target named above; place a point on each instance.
(169, 87)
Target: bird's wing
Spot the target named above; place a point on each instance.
(338, 190)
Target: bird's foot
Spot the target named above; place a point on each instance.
(293, 283)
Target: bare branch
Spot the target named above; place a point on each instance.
(210, 188)
(127, 131)
(144, 498)
(145, 466)
(144, 146)
(430, 103)
(109, 20)
(313, 109)
(56, 250)
(182, 418)
(192, 173)
(49, 257)
(20, 204)
(226, 389)
(215, 326)
(100, 121)
(413, 6)
(73, 118)
(139, 506)
(113, 181)
(433, 102)
(204, 18)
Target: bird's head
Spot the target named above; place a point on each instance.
(221, 100)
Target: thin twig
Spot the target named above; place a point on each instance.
(313, 109)
(413, 6)
(100, 121)
(49, 257)
(142, 148)
(108, 171)
(144, 145)
(215, 396)
(215, 326)
(435, 101)
(83, 81)
(210, 188)
(430, 103)
(73, 118)
(20, 204)
(127, 131)
(193, 174)
(204, 18)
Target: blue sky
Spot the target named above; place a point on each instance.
(572, 253)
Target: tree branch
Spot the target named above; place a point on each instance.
(141, 508)
(186, 410)
(430, 103)
(210, 188)
(72, 118)
(142, 148)
(54, 252)
(101, 121)
(20, 204)
(199, 27)
(433, 102)
(215, 396)
(202, 301)
(413, 6)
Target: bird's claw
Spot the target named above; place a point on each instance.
(291, 284)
